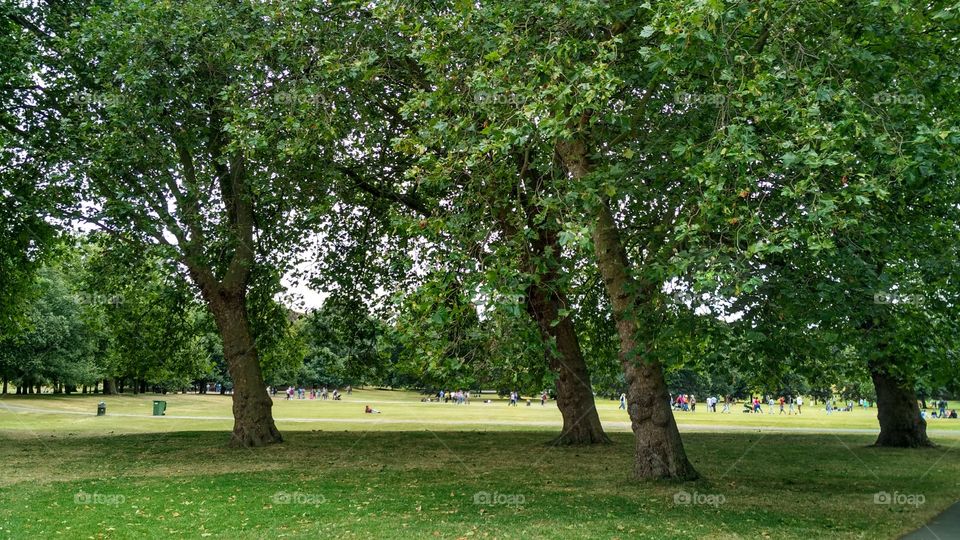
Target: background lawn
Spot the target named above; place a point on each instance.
(402, 411)
(155, 477)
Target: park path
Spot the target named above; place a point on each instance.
(945, 525)
(621, 426)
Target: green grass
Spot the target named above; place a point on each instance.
(402, 411)
(161, 477)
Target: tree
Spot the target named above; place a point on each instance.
(153, 322)
(26, 236)
(55, 347)
(867, 132)
(485, 214)
(181, 144)
(343, 344)
(519, 144)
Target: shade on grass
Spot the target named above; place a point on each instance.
(352, 484)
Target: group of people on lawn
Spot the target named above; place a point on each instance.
(301, 393)
(683, 402)
(688, 402)
(940, 410)
(460, 397)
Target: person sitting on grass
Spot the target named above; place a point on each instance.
(370, 410)
(336, 395)
(953, 414)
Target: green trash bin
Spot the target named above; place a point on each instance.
(159, 408)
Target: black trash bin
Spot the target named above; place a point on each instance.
(101, 409)
(159, 408)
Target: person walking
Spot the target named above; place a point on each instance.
(799, 404)
(781, 404)
(623, 401)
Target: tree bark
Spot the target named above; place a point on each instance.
(4, 385)
(253, 423)
(545, 299)
(659, 451)
(581, 423)
(659, 448)
(900, 423)
(109, 386)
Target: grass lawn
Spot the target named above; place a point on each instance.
(133, 477)
(402, 411)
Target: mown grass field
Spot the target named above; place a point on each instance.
(401, 411)
(358, 476)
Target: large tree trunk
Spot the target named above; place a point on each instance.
(900, 422)
(109, 386)
(545, 298)
(253, 423)
(4, 385)
(659, 451)
(581, 423)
